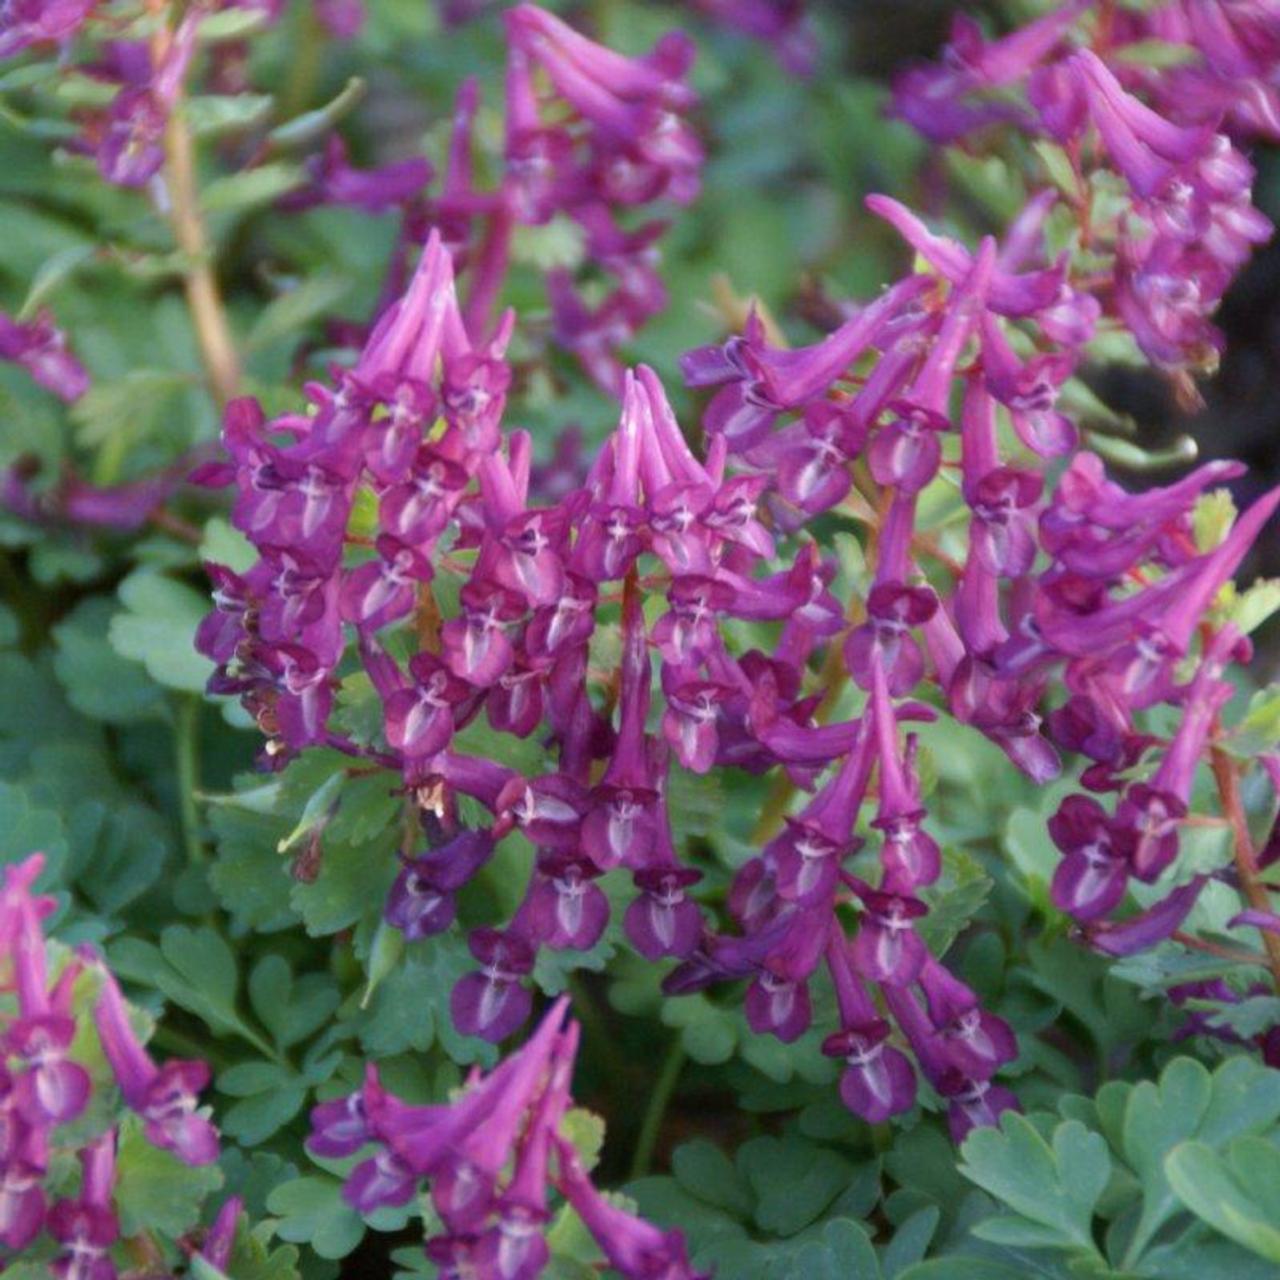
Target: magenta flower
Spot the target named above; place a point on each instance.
(493, 1002)
(164, 1097)
(41, 348)
(87, 1227)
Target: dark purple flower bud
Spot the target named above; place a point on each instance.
(491, 1004)
(334, 180)
(662, 920)
(567, 909)
(221, 1239)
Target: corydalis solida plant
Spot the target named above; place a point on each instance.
(1071, 609)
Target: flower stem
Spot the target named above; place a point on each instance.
(1227, 777)
(651, 1126)
(186, 746)
(204, 301)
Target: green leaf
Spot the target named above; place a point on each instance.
(99, 682)
(313, 1212)
(239, 192)
(1250, 608)
(1157, 1118)
(127, 409)
(963, 1269)
(291, 1010)
(157, 628)
(155, 1191)
(250, 879)
(290, 313)
(706, 1172)
(953, 900)
(26, 828)
(793, 1181)
(224, 544)
(1056, 1186)
(210, 115)
(585, 1130)
(1238, 1195)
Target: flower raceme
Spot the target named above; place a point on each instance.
(491, 1157)
(1066, 577)
(43, 1088)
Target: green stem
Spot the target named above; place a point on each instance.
(659, 1099)
(186, 748)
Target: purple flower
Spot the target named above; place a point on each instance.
(1144, 930)
(421, 901)
(29, 22)
(1092, 877)
(878, 1080)
(164, 1097)
(87, 1227)
(493, 1003)
(973, 1104)
(568, 909)
(41, 349)
(635, 1248)
(887, 948)
(884, 642)
(976, 1042)
(220, 1240)
(662, 920)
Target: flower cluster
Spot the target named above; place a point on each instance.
(1160, 193)
(491, 1158)
(951, 377)
(591, 137)
(43, 1089)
